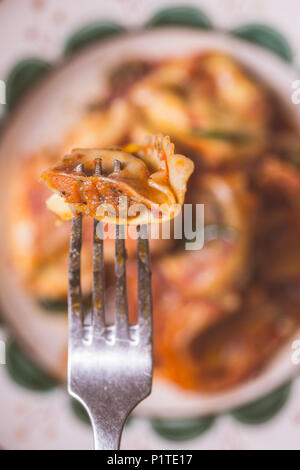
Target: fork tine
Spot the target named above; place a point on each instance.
(144, 286)
(74, 293)
(98, 268)
(121, 317)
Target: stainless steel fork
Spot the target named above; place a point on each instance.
(109, 366)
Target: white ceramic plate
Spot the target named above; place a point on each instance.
(49, 111)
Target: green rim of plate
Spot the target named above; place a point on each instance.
(54, 306)
(80, 411)
(265, 409)
(182, 429)
(22, 77)
(266, 37)
(24, 371)
(91, 33)
(180, 16)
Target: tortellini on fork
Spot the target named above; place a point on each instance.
(148, 185)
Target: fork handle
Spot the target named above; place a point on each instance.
(107, 431)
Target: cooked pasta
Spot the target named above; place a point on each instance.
(151, 177)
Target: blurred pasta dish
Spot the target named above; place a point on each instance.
(220, 313)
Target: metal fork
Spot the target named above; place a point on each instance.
(109, 366)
